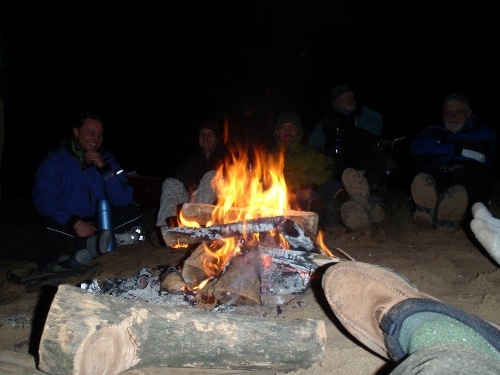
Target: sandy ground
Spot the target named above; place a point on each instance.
(450, 265)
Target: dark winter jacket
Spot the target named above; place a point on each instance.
(436, 145)
(351, 138)
(191, 170)
(65, 188)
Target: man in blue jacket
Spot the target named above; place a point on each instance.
(69, 182)
(455, 160)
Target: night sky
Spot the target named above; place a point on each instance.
(157, 68)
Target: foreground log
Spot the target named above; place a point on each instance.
(90, 333)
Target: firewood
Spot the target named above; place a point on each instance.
(240, 282)
(92, 333)
(297, 238)
(189, 235)
(202, 214)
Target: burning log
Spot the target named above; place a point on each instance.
(291, 231)
(193, 270)
(188, 235)
(240, 283)
(91, 333)
(296, 236)
(202, 214)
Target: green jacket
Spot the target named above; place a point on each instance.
(305, 165)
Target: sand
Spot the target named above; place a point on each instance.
(451, 265)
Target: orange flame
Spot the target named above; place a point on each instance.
(321, 244)
(257, 185)
(247, 188)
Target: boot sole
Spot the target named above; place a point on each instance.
(423, 191)
(453, 204)
(354, 216)
(422, 218)
(357, 188)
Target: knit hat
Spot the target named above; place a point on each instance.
(288, 116)
(339, 90)
(456, 96)
(212, 125)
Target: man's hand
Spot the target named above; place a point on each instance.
(84, 229)
(95, 158)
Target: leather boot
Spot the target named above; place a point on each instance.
(382, 310)
(361, 294)
(356, 186)
(355, 217)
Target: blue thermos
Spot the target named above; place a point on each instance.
(105, 221)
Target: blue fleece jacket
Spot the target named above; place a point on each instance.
(65, 189)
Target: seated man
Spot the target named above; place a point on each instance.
(351, 134)
(455, 160)
(68, 184)
(308, 173)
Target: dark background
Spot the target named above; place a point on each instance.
(155, 69)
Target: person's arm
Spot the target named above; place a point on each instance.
(118, 188)
(317, 138)
(370, 121)
(324, 168)
(478, 145)
(429, 148)
(49, 188)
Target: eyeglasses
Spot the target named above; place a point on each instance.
(454, 112)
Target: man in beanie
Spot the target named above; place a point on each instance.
(192, 179)
(308, 173)
(350, 133)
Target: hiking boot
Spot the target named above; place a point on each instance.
(453, 204)
(354, 216)
(425, 196)
(424, 191)
(423, 218)
(382, 309)
(356, 186)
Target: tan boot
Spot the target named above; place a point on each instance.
(424, 191)
(425, 196)
(453, 205)
(354, 216)
(357, 188)
(361, 294)
(382, 309)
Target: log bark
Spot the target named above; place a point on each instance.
(202, 214)
(90, 333)
(188, 235)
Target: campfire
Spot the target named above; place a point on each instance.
(248, 249)
(252, 248)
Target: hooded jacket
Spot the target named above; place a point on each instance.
(66, 189)
(304, 165)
